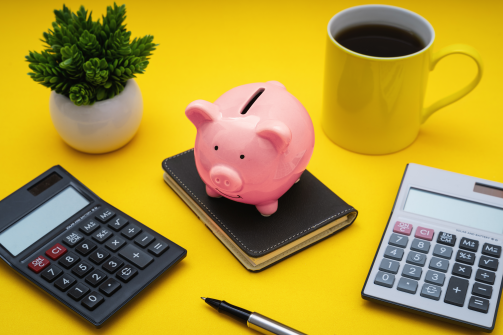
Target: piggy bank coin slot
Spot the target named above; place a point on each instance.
(252, 100)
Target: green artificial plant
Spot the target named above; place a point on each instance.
(89, 61)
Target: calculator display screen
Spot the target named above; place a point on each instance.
(463, 212)
(45, 218)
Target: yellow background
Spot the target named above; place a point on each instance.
(206, 49)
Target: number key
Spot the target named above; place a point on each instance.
(69, 260)
(439, 264)
(78, 291)
(421, 246)
(393, 253)
(384, 279)
(436, 278)
(99, 256)
(412, 272)
(82, 269)
(95, 278)
(389, 266)
(398, 240)
(442, 251)
(64, 282)
(113, 264)
(92, 301)
(52, 273)
(85, 247)
(416, 258)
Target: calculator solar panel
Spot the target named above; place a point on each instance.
(440, 252)
(84, 252)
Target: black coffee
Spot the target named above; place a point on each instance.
(380, 40)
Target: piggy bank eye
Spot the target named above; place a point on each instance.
(216, 147)
(242, 156)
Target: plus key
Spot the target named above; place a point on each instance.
(136, 256)
(456, 291)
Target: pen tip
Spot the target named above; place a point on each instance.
(203, 298)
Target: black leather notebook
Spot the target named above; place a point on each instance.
(307, 213)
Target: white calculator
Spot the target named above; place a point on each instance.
(439, 254)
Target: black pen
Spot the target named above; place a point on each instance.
(253, 320)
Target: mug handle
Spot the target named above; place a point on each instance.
(451, 50)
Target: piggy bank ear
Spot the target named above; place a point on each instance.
(275, 131)
(201, 111)
(277, 83)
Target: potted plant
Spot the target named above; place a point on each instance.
(96, 106)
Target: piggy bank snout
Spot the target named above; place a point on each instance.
(226, 179)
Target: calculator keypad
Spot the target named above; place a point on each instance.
(101, 245)
(444, 264)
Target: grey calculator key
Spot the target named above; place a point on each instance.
(398, 240)
(384, 279)
(431, 291)
(439, 264)
(416, 258)
(393, 253)
(412, 272)
(407, 285)
(488, 263)
(442, 251)
(484, 291)
(420, 246)
(465, 257)
(436, 278)
(389, 266)
(479, 305)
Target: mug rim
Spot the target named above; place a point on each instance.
(342, 12)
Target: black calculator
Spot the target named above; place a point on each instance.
(440, 252)
(79, 249)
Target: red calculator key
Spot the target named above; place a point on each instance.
(39, 264)
(56, 251)
(425, 233)
(402, 228)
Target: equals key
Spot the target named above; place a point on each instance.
(158, 248)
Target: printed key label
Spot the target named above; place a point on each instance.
(402, 228)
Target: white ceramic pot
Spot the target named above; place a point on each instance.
(103, 127)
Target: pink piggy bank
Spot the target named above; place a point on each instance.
(252, 143)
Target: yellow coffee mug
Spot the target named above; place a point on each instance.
(374, 105)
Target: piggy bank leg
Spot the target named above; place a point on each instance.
(212, 193)
(268, 208)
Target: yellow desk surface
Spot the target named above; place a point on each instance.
(205, 49)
